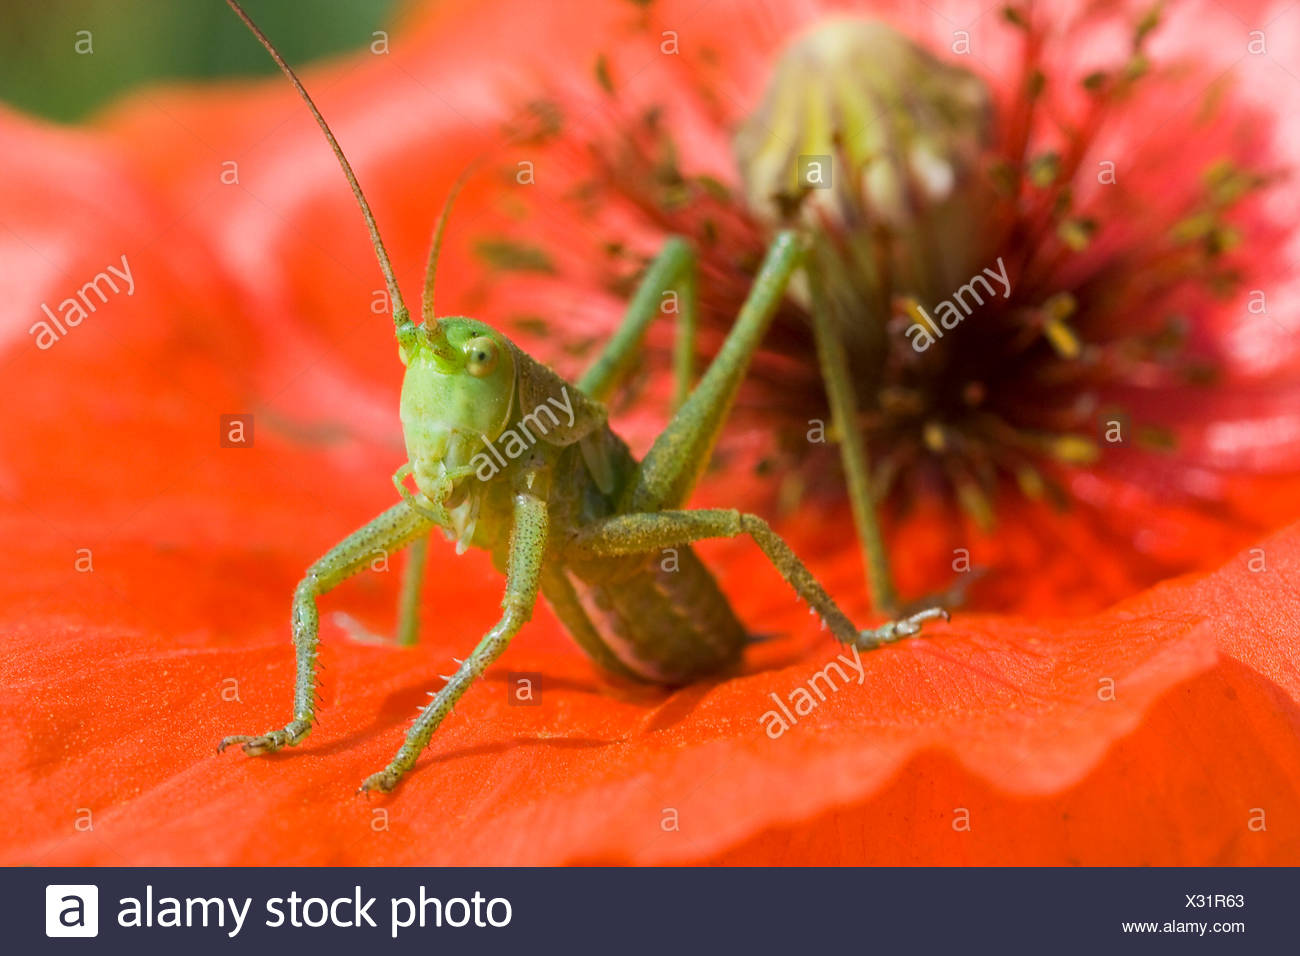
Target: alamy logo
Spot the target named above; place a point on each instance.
(922, 334)
(71, 909)
(515, 443)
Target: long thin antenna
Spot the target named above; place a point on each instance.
(431, 267)
(401, 318)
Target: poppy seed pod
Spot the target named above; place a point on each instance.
(862, 125)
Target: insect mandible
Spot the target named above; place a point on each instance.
(573, 515)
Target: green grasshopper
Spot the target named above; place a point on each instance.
(568, 511)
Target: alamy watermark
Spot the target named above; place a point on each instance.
(803, 700)
(75, 309)
(515, 442)
(925, 330)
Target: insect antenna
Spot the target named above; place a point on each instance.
(431, 267)
(405, 328)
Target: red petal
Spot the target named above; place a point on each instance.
(119, 680)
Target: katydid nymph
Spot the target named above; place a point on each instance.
(569, 512)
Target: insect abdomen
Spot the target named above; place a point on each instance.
(662, 615)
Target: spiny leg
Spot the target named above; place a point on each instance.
(672, 270)
(388, 532)
(679, 455)
(853, 453)
(528, 535)
(642, 533)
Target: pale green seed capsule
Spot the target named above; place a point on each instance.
(860, 123)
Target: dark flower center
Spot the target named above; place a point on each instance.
(999, 328)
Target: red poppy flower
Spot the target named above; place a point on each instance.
(146, 606)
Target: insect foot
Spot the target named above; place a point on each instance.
(384, 782)
(269, 742)
(897, 630)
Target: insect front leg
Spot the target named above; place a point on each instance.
(388, 532)
(528, 535)
(643, 533)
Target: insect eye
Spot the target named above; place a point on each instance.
(481, 356)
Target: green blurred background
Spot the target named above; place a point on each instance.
(140, 41)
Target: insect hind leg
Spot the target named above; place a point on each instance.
(670, 470)
(641, 533)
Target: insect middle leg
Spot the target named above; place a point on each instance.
(390, 531)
